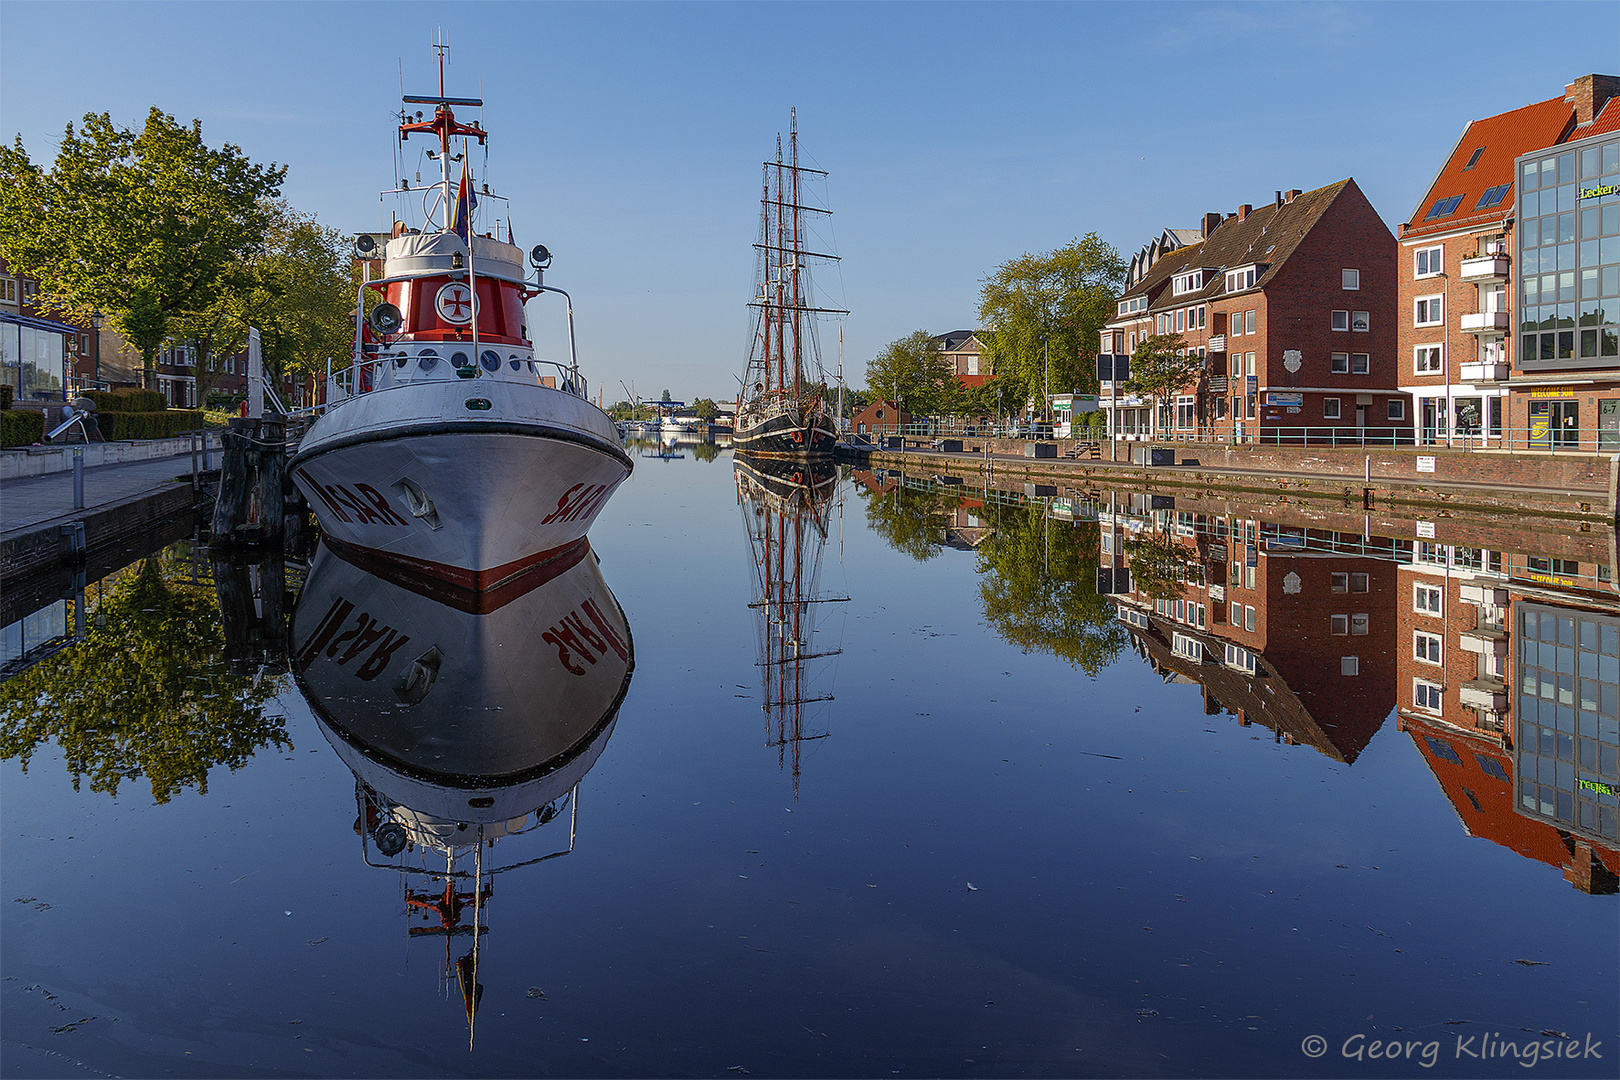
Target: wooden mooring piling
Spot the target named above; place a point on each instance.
(258, 505)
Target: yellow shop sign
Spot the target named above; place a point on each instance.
(1553, 392)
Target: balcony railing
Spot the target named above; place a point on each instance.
(1216, 343)
(1485, 322)
(1485, 268)
(1484, 371)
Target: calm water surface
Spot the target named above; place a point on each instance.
(1001, 834)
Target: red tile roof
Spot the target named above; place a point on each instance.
(1606, 121)
(1503, 137)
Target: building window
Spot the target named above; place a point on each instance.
(1360, 321)
(1340, 320)
(1248, 322)
(1237, 613)
(1427, 262)
(1238, 280)
(1339, 581)
(1185, 283)
(1180, 320)
(1184, 412)
(1350, 279)
(1443, 207)
(1426, 360)
(1201, 313)
(30, 290)
(1360, 363)
(1426, 647)
(1349, 665)
(1248, 618)
(1426, 599)
(1428, 311)
(1241, 659)
(1426, 695)
(1358, 624)
(1341, 363)
(1188, 647)
(973, 364)
(1358, 582)
(1492, 196)
(1330, 408)
(1339, 625)
(8, 290)
(1473, 159)
(1397, 408)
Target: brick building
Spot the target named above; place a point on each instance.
(1290, 305)
(1481, 254)
(880, 417)
(1288, 628)
(964, 353)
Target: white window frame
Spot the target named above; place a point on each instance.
(1330, 409)
(1339, 625)
(1249, 321)
(1248, 618)
(1187, 647)
(1428, 262)
(1428, 648)
(1341, 363)
(1186, 283)
(1428, 599)
(1185, 412)
(1339, 320)
(8, 290)
(1427, 696)
(1429, 310)
(1360, 623)
(1361, 322)
(1350, 279)
(1240, 279)
(1360, 581)
(1397, 408)
(1428, 360)
(1349, 665)
(1240, 659)
(1361, 363)
(1338, 581)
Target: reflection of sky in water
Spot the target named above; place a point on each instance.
(1153, 891)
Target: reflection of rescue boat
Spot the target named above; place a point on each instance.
(447, 446)
(468, 719)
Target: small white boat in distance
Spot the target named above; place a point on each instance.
(447, 447)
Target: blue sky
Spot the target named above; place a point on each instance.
(629, 136)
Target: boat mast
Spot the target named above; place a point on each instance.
(781, 286)
(798, 302)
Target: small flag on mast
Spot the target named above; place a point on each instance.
(466, 202)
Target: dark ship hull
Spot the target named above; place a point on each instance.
(782, 437)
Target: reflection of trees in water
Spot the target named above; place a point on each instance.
(1039, 588)
(910, 520)
(147, 694)
(705, 451)
(1161, 567)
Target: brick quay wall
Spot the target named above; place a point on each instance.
(1570, 486)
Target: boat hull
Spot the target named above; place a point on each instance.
(475, 499)
(783, 437)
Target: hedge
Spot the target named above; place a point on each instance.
(21, 427)
(148, 425)
(127, 401)
(6, 394)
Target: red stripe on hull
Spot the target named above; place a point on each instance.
(477, 592)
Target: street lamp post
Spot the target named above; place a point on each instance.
(96, 318)
(1046, 379)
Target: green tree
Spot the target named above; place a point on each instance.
(1064, 297)
(1160, 566)
(705, 409)
(150, 223)
(1161, 366)
(1039, 588)
(301, 294)
(911, 370)
(148, 694)
(666, 396)
(910, 520)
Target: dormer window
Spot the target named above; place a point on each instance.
(1443, 207)
(1240, 279)
(1134, 304)
(1186, 283)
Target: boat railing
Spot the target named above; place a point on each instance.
(377, 373)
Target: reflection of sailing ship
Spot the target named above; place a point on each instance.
(786, 508)
(783, 410)
(467, 718)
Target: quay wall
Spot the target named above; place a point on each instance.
(19, 462)
(1563, 486)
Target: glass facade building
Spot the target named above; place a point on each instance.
(33, 359)
(1566, 759)
(1569, 256)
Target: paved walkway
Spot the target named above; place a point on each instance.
(31, 500)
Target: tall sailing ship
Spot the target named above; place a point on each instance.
(447, 446)
(783, 410)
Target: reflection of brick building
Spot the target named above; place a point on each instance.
(1476, 775)
(1451, 615)
(1289, 629)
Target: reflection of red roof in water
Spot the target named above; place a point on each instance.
(1484, 802)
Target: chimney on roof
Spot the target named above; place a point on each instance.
(1290, 196)
(1279, 198)
(1589, 94)
(1209, 224)
(1244, 211)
